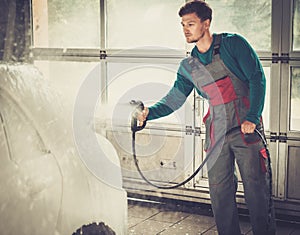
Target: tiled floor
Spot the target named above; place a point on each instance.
(153, 218)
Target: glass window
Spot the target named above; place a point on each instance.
(132, 24)
(295, 100)
(145, 82)
(68, 23)
(67, 77)
(296, 26)
(251, 19)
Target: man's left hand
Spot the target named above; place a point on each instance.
(248, 127)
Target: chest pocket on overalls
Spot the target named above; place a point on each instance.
(220, 92)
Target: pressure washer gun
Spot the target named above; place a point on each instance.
(139, 107)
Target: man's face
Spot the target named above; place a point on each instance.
(193, 28)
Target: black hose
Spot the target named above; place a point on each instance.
(159, 186)
(201, 165)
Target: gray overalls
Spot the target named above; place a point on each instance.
(228, 98)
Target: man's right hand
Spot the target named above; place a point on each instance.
(143, 116)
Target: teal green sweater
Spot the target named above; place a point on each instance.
(239, 57)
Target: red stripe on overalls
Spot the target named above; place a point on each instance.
(264, 157)
(211, 130)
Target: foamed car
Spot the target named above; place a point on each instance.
(46, 185)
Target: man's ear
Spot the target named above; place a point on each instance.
(206, 23)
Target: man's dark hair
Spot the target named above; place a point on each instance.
(201, 8)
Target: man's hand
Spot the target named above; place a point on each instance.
(143, 116)
(248, 127)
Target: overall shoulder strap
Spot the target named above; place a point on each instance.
(218, 39)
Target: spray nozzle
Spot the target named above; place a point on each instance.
(139, 107)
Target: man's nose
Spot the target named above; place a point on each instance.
(185, 30)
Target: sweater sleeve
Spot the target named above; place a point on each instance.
(174, 99)
(252, 70)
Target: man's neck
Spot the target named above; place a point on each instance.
(204, 43)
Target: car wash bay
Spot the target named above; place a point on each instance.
(69, 43)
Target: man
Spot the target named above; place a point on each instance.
(225, 69)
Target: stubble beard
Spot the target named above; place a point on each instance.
(197, 39)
